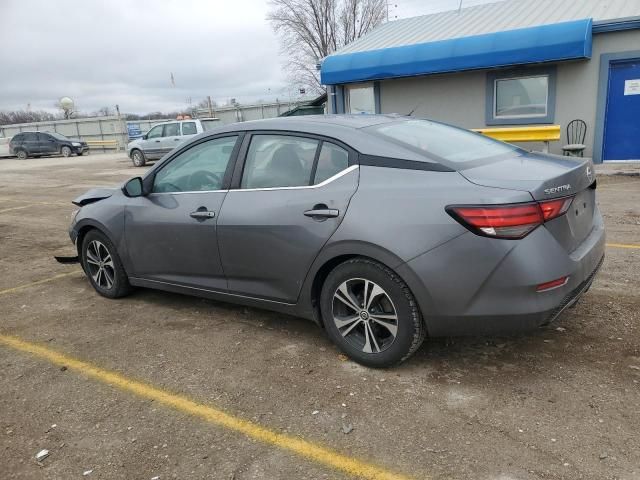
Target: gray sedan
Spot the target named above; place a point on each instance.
(381, 229)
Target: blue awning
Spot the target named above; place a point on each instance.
(545, 43)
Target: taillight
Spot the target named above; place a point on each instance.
(513, 221)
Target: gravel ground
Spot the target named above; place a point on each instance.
(562, 402)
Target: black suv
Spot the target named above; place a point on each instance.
(35, 144)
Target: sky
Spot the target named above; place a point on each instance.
(103, 53)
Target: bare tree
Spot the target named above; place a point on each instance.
(310, 30)
(25, 116)
(104, 112)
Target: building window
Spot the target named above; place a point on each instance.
(521, 97)
(360, 98)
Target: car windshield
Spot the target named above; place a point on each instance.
(443, 142)
(57, 135)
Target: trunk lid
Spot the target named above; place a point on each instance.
(543, 176)
(546, 177)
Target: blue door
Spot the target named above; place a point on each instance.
(622, 120)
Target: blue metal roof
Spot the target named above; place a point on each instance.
(544, 43)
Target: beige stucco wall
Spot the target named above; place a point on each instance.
(459, 98)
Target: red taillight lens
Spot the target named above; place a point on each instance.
(554, 208)
(508, 221)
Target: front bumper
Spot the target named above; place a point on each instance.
(80, 149)
(481, 286)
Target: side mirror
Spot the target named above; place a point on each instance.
(144, 137)
(133, 188)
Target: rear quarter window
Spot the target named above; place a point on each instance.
(443, 142)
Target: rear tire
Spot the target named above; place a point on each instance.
(65, 151)
(138, 158)
(22, 155)
(103, 267)
(370, 313)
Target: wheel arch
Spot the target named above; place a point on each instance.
(85, 227)
(338, 253)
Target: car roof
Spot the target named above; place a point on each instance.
(349, 129)
(309, 121)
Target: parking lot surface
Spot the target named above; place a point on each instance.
(158, 385)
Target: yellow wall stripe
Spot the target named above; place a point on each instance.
(303, 448)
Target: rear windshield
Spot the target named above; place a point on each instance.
(442, 142)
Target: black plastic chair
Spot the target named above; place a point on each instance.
(576, 133)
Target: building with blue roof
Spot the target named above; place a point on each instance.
(508, 63)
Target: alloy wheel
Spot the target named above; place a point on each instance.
(365, 315)
(100, 264)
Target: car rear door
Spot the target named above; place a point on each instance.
(287, 198)
(31, 143)
(170, 234)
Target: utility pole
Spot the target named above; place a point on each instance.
(460, 6)
(209, 105)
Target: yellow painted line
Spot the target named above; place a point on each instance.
(39, 282)
(18, 208)
(622, 245)
(35, 204)
(308, 450)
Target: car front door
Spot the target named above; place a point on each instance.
(152, 144)
(171, 137)
(288, 199)
(170, 234)
(47, 144)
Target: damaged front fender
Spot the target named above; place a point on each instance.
(93, 195)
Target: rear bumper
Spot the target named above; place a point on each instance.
(480, 286)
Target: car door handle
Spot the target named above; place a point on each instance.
(176, 139)
(322, 213)
(202, 214)
(157, 141)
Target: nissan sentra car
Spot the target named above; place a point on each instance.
(382, 229)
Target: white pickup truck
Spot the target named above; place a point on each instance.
(4, 147)
(164, 137)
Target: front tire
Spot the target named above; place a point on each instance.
(103, 267)
(138, 158)
(80, 154)
(370, 313)
(65, 151)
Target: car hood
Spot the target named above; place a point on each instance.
(93, 195)
(135, 142)
(542, 175)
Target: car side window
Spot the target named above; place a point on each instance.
(201, 168)
(189, 128)
(30, 137)
(155, 132)
(332, 160)
(278, 161)
(171, 129)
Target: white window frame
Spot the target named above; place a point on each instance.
(359, 86)
(525, 115)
